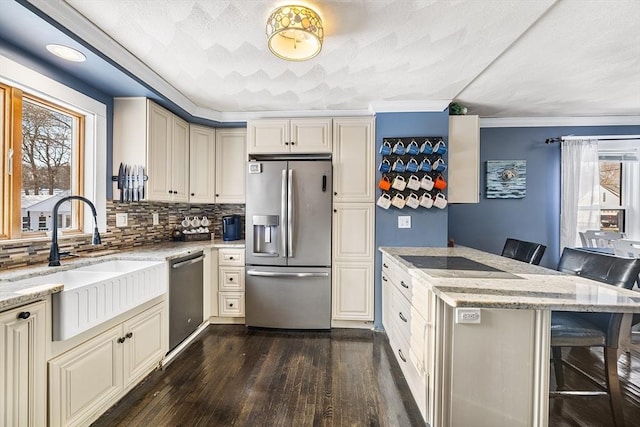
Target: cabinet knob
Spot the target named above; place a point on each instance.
(129, 335)
(121, 340)
(230, 304)
(217, 195)
(193, 194)
(335, 210)
(286, 143)
(231, 279)
(231, 257)
(293, 143)
(24, 315)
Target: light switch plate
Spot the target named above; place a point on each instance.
(122, 219)
(404, 221)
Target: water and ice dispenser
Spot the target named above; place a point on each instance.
(266, 235)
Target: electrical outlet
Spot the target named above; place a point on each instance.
(156, 218)
(467, 315)
(122, 219)
(404, 221)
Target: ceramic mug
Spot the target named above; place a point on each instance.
(398, 201)
(186, 222)
(384, 184)
(413, 183)
(205, 222)
(385, 166)
(385, 148)
(440, 201)
(426, 201)
(195, 222)
(439, 165)
(426, 182)
(412, 165)
(440, 183)
(426, 147)
(384, 201)
(398, 148)
(440, 148)
(398, 166)
(413, 201)
(399, 183)
(413, 148)
(425, 165)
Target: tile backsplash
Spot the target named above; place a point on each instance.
(139, 231)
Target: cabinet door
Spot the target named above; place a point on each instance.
(231, 159)
(202, 164)
(23, 394)
(145, 345)
(352, 293)
(353, 160)
(311, 135)
(268, 136)
(353, 231)
(464, 159)
(160, 122)
(87, 380)
(180, 161)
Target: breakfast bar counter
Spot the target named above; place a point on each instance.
(471, 331)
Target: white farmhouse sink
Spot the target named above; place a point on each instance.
(96, 293)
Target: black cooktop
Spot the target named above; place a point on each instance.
(447, 263)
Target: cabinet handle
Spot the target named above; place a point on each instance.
(404, 319)
(384, 279)
(385, 265)
(24, 315)
(129, 335)
(404, 359)
(404, 285)
(121, 340)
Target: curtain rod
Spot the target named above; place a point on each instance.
(598, 137)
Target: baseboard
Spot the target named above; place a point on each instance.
(353, 324)
(214, 320)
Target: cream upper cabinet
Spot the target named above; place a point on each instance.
(202, 154)
(353, 160)
(23, 379)
(304, 135)
(148, 135)
(231, 159)
(464, 159)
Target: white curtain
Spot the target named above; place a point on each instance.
(580, 205)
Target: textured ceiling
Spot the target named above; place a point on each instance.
(500, 57)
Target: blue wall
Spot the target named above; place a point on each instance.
(536, 218)
(428, 227)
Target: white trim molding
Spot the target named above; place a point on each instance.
(526, 122)
(427, 105)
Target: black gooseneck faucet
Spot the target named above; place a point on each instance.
(54, 253)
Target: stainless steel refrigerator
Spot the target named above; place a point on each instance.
(288, 243)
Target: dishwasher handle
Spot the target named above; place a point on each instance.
(274, 274)
(188, 262)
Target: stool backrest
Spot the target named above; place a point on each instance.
(523, 251)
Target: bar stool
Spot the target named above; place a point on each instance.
(520, 250)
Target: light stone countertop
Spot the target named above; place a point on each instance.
(16, 294)
(526, 287)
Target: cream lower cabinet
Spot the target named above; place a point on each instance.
(23, 380)
(85, 381)
(231, 282)
(407, 313)
(353, 257)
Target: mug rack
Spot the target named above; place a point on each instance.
(392, 157)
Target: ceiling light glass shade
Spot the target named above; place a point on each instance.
(66, 52)
(295, 33)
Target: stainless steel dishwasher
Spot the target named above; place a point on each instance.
(185, 297)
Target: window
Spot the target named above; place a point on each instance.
(43, 146)
(611, 211)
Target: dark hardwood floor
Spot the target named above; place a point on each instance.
(232, 376)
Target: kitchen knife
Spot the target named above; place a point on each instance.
(141, 181)
(126, 183)
(121, 181)
(134, 179)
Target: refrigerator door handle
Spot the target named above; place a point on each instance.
(283, 213)
(274, 274)
(290, 217)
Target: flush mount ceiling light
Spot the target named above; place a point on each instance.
(295, 33)
(66, 52)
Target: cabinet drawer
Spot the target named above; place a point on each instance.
(231, 304)
(413, 289)
(231, 257)
(414, 376)
(231, 279)
(410, 325)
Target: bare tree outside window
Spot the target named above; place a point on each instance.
(611, 212)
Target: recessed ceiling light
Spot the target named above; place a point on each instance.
(66, 52)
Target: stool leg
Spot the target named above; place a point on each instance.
(557, 367)
(613, 385)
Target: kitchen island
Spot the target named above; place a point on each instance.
(471, 331)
